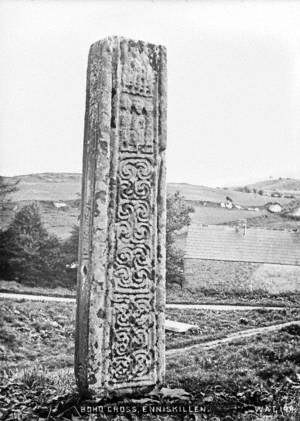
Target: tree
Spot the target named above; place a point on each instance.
(28, 254)
(178, 217)
(69, 251)
(70, 246)
(6, 188)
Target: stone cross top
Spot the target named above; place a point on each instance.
(121, 278)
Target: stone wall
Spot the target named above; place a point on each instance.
(219, 275)
(238, 276)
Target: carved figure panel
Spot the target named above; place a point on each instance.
(136, 124)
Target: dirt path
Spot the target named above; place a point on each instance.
(17, 296)
(230, 338)
(220, 307)
(216, 307)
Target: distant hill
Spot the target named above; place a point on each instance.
(54, 177)
(49, 188)
(283, 185)
(67, 186)
(216, 195)
(46, 186)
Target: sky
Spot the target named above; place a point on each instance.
(233, 84)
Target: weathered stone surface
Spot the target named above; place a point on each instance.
(121, 277)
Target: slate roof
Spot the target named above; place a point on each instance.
(257, 245)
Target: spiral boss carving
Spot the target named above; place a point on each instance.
(121, 278)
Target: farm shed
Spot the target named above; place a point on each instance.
(231, 258)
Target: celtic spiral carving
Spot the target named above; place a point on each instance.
(140, 169)
(128, 232)
(140, 209)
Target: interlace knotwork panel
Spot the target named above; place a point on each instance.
(133, 284)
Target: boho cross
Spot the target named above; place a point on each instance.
(121, 278)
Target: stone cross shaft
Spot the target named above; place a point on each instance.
(119, 345)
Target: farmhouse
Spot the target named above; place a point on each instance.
(232, 258)
(274, 207)
(59, 205)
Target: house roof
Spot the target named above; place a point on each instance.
(257, 245)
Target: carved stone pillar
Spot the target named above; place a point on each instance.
(121, 277)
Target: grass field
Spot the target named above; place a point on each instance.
(214, 324)
(175, 294)
(16, 287)
(256, 376)
(243, 381)
(268, 221)
(216, 215)
(212, 296)
(43, 332)
(260, 377)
